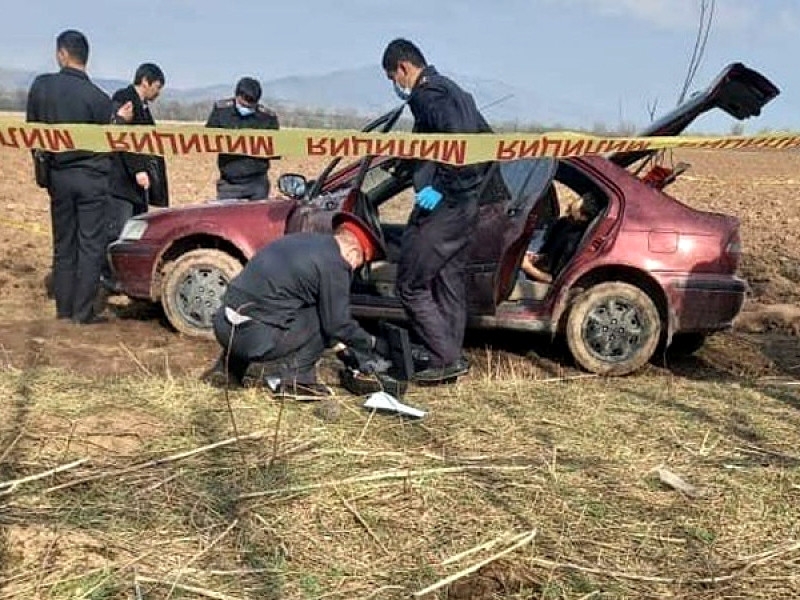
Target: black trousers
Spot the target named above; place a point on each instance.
(294, 351)
(78, 205)
(431, 274)
(256, 188)
(118, 210)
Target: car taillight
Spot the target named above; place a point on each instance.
(733, 250)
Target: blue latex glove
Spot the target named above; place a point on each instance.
(428, 198)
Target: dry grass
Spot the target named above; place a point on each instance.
(371, 506)
(344, 504)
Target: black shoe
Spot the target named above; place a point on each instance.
(420, 357)
(93, 320)
(308, 392)
(112, 286)
(217, 377)
(446, 374)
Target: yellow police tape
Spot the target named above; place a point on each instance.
(455, 149)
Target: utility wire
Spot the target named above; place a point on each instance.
(707, 11)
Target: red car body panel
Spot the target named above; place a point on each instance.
(242, 231)
(644, 233)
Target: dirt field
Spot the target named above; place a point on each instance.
(525, 443)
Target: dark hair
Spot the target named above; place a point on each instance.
(75, 44)
(149, 71)
(249, 89)
(400, 50)
(590, 205)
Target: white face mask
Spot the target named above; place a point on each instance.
(403, 93)
(245, 111)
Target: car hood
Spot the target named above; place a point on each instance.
(214, 209)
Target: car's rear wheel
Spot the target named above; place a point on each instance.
(192, 289)
(613, 328)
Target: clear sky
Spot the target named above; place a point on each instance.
(625, 52)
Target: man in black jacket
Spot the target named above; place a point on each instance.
(137, 180)
(290, 302)
(431, 277)
(241, 176)
(77, 181)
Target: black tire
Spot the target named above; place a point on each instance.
(686, 344)
(613, 329)
(192, 289)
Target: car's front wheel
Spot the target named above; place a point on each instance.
(192, 288)
(613, 328)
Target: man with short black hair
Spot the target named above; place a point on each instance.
(431, 277)
(241, 176)
(77, 181)
(139, 179)
(291, 301)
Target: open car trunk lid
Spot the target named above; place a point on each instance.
(738, 90)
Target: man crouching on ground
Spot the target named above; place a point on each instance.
(291, 301)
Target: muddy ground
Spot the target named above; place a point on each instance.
(761, 188)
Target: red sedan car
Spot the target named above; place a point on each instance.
(648, 271)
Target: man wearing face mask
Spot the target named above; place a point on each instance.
(240, 176)
(431, 276)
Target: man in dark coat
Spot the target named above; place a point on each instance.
(431, 278)
(77, 181)
(140, 179)
(137, 180)
(240, 176)
(290, 302)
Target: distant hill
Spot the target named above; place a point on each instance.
(366, 91)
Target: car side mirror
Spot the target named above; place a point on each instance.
(293, 185)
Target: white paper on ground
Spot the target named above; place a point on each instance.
(273, 383)
(384, 401)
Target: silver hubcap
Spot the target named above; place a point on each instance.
(199, 295)
(614, 330)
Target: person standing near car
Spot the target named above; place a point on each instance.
(77, 181)
(241, 176)
(137, 180)
(431, 277)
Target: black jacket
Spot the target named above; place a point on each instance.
(295, 272)
(69, 96)
(440, 106)
(237, 168)
(127, 164)
(562, 241)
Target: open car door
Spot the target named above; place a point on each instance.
(338, 191)
(509, 197)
